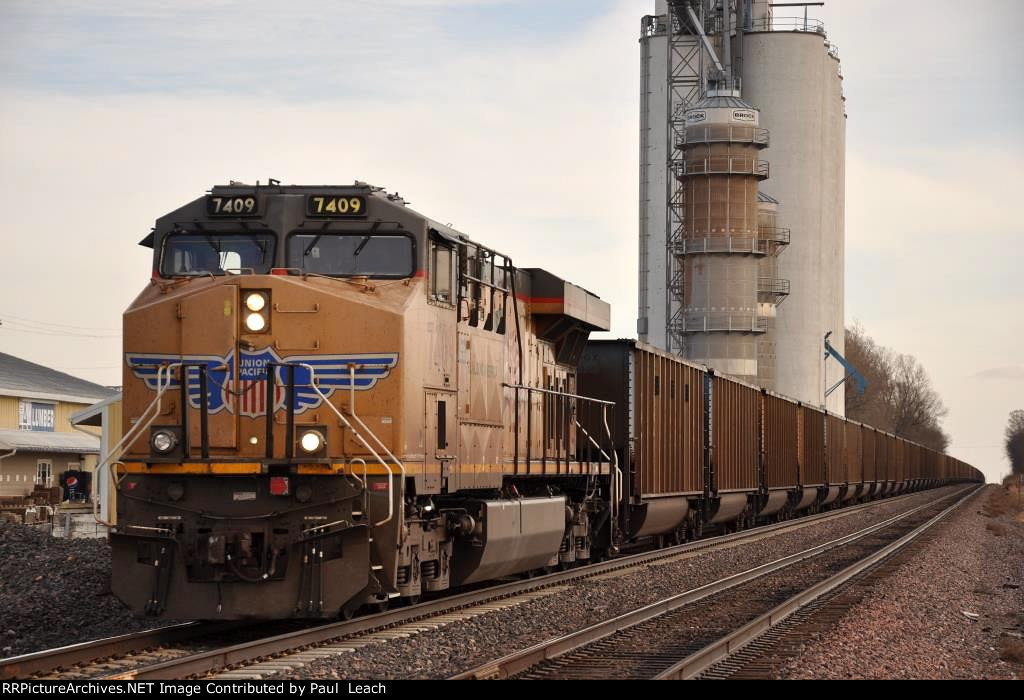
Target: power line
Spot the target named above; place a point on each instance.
(56, 326)
(54, 333)
(84, 368)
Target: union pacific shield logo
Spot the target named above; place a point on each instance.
(331, 372)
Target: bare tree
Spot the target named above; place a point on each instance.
(914, 405)
(873, 362)
(900, 398)
(1015, 441)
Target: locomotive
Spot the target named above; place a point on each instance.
(332, 401)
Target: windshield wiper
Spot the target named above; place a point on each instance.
(362, 244)
(312, 245)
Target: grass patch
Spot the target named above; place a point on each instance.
(1002, 501)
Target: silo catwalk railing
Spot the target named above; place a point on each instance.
(764, 243)
(787, 24)
(723, 165)
(772, 290)
(718, 321)
(723, 133)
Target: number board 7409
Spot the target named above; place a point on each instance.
(232, 205)
(336, 205)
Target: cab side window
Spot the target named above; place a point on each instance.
(442, 273)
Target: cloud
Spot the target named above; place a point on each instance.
(1013, 373)
(533, 153)
(325, 49)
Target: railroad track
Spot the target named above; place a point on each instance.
(702, 630)
(103, 657)
(201, 649)
(784, 637)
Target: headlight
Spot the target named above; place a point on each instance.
(163, 441)
(255, 322)
(255, 301)
(311, 441)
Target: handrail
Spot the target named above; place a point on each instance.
(617, 479)
(690, 244)
(787, 24)
(380, 443)
(723, 165)
(611, 455)
(356, 434)
(133, 434)
(723, 133)
(773, 285)
(362, 481)
(723, 321)
(559, 393)
(591, 440)
(352, 408)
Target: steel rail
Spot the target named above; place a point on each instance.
(725, 647)
(522, 660)
(51, 660)
(65, 657)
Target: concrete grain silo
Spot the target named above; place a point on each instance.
(792, 74)
(785, 69)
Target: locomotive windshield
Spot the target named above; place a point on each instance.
(353, 255)
(217, 253)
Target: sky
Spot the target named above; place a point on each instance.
(515, 121)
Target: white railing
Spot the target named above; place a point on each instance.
(359, 437)
(141, 424)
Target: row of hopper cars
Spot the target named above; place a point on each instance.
(697, 448)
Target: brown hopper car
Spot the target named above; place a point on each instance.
(719, 450)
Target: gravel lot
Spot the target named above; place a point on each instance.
(950, 612)
(55, 592)
(459, 647)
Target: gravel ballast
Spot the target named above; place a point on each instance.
(55, 592)
(954, 610)
(461, 646)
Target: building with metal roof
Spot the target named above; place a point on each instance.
(38, 441)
